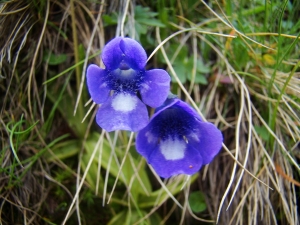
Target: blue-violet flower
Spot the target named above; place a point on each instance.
(176, 140)
(116, 87)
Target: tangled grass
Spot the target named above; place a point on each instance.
(237, 64)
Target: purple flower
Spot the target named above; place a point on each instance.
(176, 141)
(116, 87)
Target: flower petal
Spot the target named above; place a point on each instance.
(170, 101)
(122, 112)
(188, 109)
(112, 55)
(96, 85)
(155, 88)
(207, 139)
(169, 157)
(176, 140)
(189, 164)
(135, 55)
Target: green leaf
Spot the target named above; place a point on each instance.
(197, 202)
(63, 150)
(54, 59)
(110, 19)
(201, 68)
(128, 171)
(65, 103)
(151, 22)
(159, 196)
(144, 12)
(143, 18)
(180, 70)
(262, 132)
(140, 28)
(201, 79)
(128, 217)
(118, 219)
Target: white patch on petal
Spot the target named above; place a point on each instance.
(103, 85)
(127, 73)
(145, 87)
(150, 137)
(194, 136)
(124, 102)
(172, 149)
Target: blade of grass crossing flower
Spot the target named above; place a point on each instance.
(161, 43)
(166, 217)
(186, 203)
(121, 166)
(99, 162)
(87, 53)
(160, 195)
(88, 112)
(155, 207)
(88, 102)
(130, 196)
(175, 75)
(136, 174)
(165, 188)
(189, 97)
(109, 163)
(134, 201)
(125, 11)
(187, 179)
(70, 68)
(78, 189)
(195, 54)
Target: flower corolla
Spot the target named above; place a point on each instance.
(118, 87)
(176, 140)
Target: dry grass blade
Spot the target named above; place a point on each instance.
(250, 90)
(82, 180)
(121, 166)
(32, 68)
(95, 29)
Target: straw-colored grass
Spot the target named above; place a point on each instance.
(53, 156)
